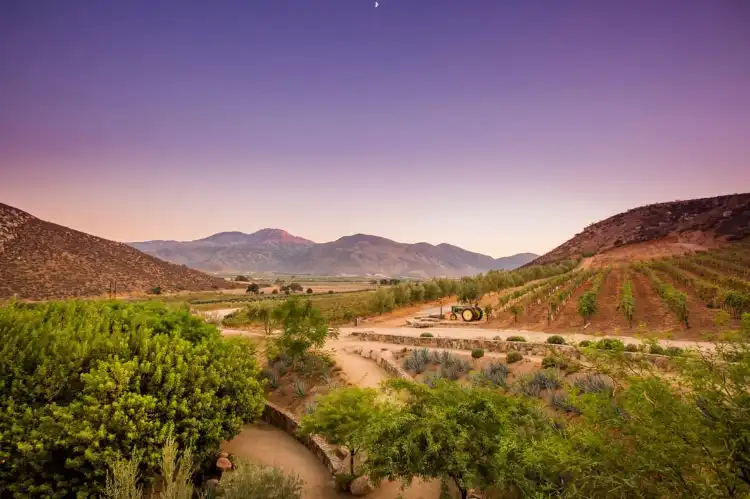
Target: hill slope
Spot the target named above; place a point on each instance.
(693, 224)
(42, 260)
(279, 251)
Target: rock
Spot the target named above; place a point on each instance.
(212, 484)
(341, 452)
(361, 486)
(223, 464)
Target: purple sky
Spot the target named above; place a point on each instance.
(497, 126)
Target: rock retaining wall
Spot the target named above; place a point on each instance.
(537, 349)
(286, 422)
(384, 358)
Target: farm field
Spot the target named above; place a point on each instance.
(690, 296)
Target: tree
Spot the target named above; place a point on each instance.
(382, 301)
(587, 305)
(303, 327)
(515, 309)
(241, 278)
(253, 288)
(488, 309)
(296, 287)
(679, 436)
(345, 417)
(263, 311)
(97, 381)
(469, 290)
(309, 291)
(275, 292)
(474, 436)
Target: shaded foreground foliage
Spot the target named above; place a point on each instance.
(85, 384)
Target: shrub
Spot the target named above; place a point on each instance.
(631, 347)
(330, 291)
(309, 291)
(584, 343)
(449, 372)
(673, 351)
(344, 481)
(547, 379)
(495, 374)
(498, 338)
(656, 349)
(592, 383)
(418, 360)
(431, 380)
(520, 339)
(477, 353)
(556, 362)
(443, 357)
(556, 340)
(561, 402)
(251, 481)
(275, 292)
(425, 335)
(119, 374)
(273, 378)
(513, 357)
(610, 344)
(156, 290)
(300, 390)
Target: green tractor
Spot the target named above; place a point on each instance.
(469, 313)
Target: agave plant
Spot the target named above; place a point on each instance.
(496, 374)
(561, 402)
(592, 383)
(300, 390)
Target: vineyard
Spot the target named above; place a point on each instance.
(683, 296)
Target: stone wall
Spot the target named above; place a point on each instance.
(537, 349)
(384, 358)
(285, 421)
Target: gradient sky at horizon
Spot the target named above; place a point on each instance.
(500, 127)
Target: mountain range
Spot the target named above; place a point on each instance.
(275, 250)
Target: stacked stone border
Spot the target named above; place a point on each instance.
(384, 358)
(322, 450)
(533, 349)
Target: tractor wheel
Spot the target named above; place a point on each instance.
(467, 315)
(480, 314)
(454, 317)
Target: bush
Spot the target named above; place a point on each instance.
(330, 291)
(561, 402)
(477, 353)
(584, 343)
(309, 291)
(495, 374)
(426, 335)
(513, 357)
(275, 292)
(251, 481)
(520, 339)
(110, 378)
(344, 481)
(418, 360)
(592, 383)
(556, 340)
(610, 344)
(631, 347)
(656, 349)
(673, 351)
(556, 362)
(156, 290)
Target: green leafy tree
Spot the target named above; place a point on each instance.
(474, 436)
(515, 309)
(469, 290)
(587, 305)
(488, 309)
(296, 287)
(345, 417)
(681, 436)
(431, 291)
(263, 312)
(253, 288)
(383, 301)
(745, 325)
(303, 327)
(83, 384)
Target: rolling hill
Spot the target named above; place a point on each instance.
(42, 260)
(278, 251)
(659, 229)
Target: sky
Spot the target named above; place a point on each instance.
(497, 126)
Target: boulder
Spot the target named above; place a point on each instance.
(361, 486)
(223, 464)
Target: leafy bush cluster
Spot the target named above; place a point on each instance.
(519, 339)
(513, 357)
(556, 340)
(495, 374)
(418, 360)
(592, 383)
(83, 384)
